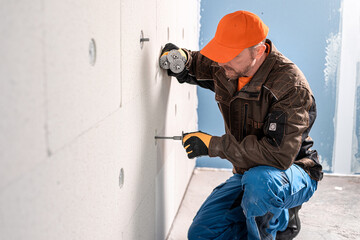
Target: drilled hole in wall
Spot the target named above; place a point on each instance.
(141, 37)
(121, 178)
(189, 95)
(175, 109)
(168, 33)
(92, 52)
(155, 138)
(183, 33)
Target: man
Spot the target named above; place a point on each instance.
(268, 110)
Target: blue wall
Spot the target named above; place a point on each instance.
(300, 30)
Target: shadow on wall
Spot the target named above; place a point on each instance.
(153, 109)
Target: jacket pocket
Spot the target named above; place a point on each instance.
(246, 106)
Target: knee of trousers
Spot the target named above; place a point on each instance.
(261, 193)
(198, 231)
(193, 232)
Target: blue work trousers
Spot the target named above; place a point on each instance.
(253, 205)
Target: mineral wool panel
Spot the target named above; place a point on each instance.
(80, 93)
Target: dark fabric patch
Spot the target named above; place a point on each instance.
(237, 201)
(284, 178)
(184, 76)
(305, 149)
(262, 223)
(307, 142)
(275, 127)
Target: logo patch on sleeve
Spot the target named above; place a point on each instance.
(272, 127)
(275, 127)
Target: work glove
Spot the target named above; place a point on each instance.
(196, 143)
(167, 48)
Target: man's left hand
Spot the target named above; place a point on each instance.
(196, 144)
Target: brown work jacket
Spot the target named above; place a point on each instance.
(268, 121)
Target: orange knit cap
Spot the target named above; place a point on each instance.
(235, 32)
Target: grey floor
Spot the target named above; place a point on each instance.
(332, 213)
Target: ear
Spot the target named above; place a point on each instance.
(260, 50)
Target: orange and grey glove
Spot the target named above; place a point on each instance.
(173, 59)
(196, 143)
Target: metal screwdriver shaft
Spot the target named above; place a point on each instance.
(173, 138)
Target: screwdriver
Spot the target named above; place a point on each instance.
(172, 138)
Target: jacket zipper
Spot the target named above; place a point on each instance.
(245, 117)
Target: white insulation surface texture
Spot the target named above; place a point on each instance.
(75, 115)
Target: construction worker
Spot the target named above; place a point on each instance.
(268, 110)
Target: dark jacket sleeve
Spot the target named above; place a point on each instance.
(287, 121)
(198, 71)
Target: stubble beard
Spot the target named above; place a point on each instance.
(232, 74)
(244, 73)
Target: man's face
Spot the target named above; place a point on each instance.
(240, 65)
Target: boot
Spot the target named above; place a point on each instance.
(293, 227)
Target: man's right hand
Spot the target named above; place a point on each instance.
(167, 48)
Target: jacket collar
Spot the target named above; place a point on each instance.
(250, 91)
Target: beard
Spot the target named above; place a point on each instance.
(233, 74)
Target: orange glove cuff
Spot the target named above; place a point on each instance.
(205, 138)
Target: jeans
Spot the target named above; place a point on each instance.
(253, 205)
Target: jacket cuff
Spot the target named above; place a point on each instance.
(214, 146)
(188, 57)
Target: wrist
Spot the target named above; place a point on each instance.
(214, 146)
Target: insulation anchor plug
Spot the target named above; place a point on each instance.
(177, 66)
(164, 63)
